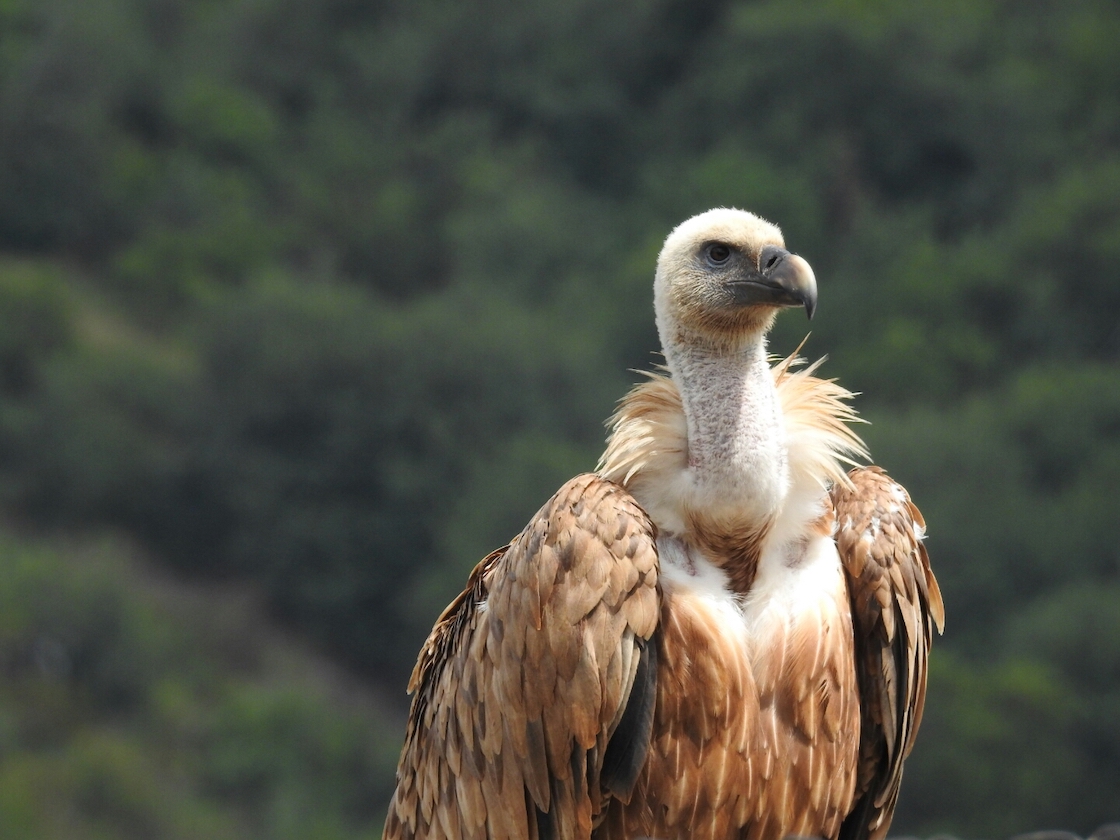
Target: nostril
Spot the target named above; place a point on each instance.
(771, 255)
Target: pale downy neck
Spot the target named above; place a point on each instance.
(736, 440)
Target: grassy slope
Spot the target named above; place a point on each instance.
(133, 706)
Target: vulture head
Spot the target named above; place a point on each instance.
(723, 275)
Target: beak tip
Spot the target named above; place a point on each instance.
(803, 283)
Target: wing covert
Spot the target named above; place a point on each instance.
(896, 604)
(533, 694)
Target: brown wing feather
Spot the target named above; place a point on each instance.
(896, 604)
(529, 675)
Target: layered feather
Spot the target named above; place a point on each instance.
(533, 695)
(896, 606)
(573, 688)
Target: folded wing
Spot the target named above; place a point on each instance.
(534, 693)
(896, 604)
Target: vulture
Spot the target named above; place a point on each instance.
(721, 633)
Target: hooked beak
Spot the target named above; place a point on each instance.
(783, 279)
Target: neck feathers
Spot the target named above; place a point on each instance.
(802, 437)
(736, 440)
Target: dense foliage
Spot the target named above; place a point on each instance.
(329, 295)
(134, 707)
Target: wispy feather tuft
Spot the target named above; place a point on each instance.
(649, 432)
(817, 413)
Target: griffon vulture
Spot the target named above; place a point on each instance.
(719, 634)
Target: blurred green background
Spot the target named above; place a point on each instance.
(305, 305)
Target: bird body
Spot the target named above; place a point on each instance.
(719, 634)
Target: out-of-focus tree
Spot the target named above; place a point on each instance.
(329, 297)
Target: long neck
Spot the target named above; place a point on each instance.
(736, 441)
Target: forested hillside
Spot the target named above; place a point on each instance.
(323, 298)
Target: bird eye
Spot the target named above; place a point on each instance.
(718, 253)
